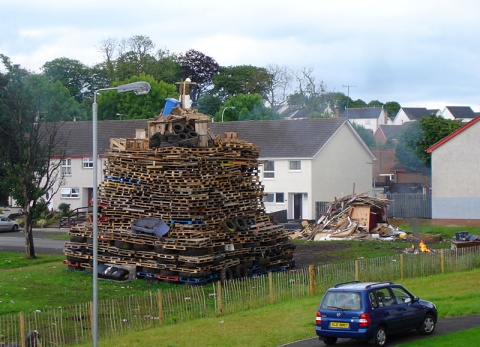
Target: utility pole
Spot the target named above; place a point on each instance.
(348, 94)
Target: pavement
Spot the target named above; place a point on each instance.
(444, 326)
(15, 241)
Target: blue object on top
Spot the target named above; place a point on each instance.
(169, 105)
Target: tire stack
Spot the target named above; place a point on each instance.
(211, 198)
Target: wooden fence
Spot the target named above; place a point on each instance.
(410, 206)
(70, 326)
(400, 206)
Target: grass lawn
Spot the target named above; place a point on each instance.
(454, 294)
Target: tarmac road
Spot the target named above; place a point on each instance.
(15, 241)
(444, 326)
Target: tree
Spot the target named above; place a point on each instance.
(280, 80)
(166, 68)
(392, 108)
(31, 109)
(246, 107)
(113, 105)
(209, 104)
(417, 137)
(74, 75)
(365, 134)
(241, 79)
(199, 67)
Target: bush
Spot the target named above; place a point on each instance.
(64, 209)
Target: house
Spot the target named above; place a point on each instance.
(369, 117)
(455, 179)
(291, 111)
(387, 133)
(462, 113)
(411, 114)
(302, 162)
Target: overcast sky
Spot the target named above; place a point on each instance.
(420, 53)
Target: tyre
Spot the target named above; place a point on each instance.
(428, 325)
(241, 224)
(15, 227)
(189, 127)
(380, 338)
(226, 274)
(229, 226)
(329, 341)
(241, 271)
(77, 239)
(178, 128)
(192, 134)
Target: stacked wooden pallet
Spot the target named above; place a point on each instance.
(211, 198)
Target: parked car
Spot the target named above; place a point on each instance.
(6, 224)
(372, 311)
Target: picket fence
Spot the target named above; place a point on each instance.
(70, 326)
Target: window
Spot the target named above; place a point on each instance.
(70, 193)
(295, 165)
(66, 166)
(269, 169)
(278, 198)
(87, 163)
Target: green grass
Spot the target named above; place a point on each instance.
(42, 283)
(467, 337)
(290, 321)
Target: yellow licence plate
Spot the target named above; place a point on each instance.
(339, 325)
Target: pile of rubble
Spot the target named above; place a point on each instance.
(353, 217)
(200, 195)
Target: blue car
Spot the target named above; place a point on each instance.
(372, 311)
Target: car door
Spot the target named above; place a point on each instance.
(409, 312)
(381, 301)
(3, 224)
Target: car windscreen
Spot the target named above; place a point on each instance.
(342, 301)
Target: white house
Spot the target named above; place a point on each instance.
(455, 178)
(303, 161)
(369, 117)
(411, 114)
(461, 113)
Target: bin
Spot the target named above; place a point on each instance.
(169, 105)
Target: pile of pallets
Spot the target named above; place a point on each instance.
(211, 198)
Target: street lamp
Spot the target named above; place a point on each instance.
(138, 88)
(225, 109)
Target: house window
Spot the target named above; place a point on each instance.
(68, 193)
(67, 166)
(87, 163)
(269, 169)
(295, 165)
(278, 198)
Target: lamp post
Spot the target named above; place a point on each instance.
(225, 109)
(138, 88)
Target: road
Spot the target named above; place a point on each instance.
(444, 326)
(15, 241)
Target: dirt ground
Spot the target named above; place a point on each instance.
(313, 253)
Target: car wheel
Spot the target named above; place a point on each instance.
(380, 338)
(428, 325)
(329, 341)
(15, 227)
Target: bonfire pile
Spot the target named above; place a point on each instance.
(352, 217)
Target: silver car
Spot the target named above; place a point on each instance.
(8, 224)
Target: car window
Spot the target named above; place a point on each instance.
(401, 296)
(342, 300)
(382, 298)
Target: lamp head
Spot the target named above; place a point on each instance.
(139, 88)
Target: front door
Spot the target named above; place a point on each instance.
(297, 206)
